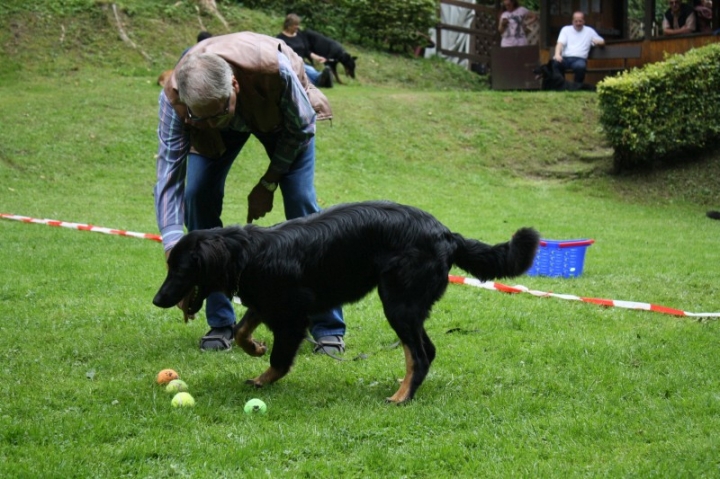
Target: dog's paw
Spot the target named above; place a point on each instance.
(259, 348)
(397, 402)
(255, 382)
(252, 347)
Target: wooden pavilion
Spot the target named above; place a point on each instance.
(619, 24)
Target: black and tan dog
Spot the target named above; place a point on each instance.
(308, 265)
(333, 52)
(553, 78)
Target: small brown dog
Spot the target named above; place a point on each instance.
(164, 76)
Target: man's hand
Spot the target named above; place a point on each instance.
(318, 58)
(260, 202)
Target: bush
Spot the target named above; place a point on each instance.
(664, 108)
(328, 17)
(390, 24)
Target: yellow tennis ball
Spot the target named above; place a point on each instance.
(177, 386)
(255, 406)
(183, 400)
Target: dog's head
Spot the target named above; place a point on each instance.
(542, 71)
(348, 63)
(199, 264)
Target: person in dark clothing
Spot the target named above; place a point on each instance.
(295, 39)
(678, 19)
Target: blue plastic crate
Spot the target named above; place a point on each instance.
(564, 258)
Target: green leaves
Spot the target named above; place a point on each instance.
(664, 108)
(393, 23)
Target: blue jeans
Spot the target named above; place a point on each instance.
(312, 74)
(204, 193)
(578, 66)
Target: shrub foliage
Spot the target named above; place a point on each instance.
(391, 24)
(663, 109)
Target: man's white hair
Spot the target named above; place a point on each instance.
(203, 78)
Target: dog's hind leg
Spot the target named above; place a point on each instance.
(243, 331)
(417, 365)
(408, 293)
(286, 343)
(406, 313)
(429, 347)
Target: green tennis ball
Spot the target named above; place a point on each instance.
(183, 400)
(255, 406)
(177, 386)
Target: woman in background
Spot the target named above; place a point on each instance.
(295, 39)
(512, 24)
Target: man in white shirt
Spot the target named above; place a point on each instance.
(573, 46)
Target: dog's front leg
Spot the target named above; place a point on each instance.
(268, 377)
(285, 347)
(333, 69)
(243, 334)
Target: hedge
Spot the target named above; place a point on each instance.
(663, 109)
(393, 25)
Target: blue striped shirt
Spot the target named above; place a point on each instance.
(297, 129)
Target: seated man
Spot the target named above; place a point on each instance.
(678, 19)
(573, 46)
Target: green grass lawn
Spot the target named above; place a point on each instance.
(522, 386)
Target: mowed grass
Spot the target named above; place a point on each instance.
(522, 386)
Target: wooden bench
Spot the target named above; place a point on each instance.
(611, 52)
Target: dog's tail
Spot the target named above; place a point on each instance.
(503, 260)
(715, 215)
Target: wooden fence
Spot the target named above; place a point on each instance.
(483, 33)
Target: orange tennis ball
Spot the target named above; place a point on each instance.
(166, 375)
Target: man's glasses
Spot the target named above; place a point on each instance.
(196, 119)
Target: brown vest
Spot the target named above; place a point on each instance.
(253, 58)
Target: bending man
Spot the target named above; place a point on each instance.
(223, 90)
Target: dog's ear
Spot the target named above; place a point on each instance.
(213, 260)
(237, 243)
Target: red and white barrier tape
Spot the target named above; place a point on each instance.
(490, 285)
(82, 227)
(494, 286)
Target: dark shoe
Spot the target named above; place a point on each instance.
(217, 339)
(330, 345)
(325, 80)
(714, 215)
